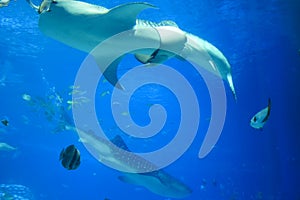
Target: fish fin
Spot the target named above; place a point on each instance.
(61, 155)
(158, 56)
(268, 111)
(143, 58)
(128, 11)
(35, 7)
(139, 179)
(155, 174)
(230, 82)
(125, 179)
(118, 141)
(180, 58)
(110, 72)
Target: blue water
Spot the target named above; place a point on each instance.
(260, 40)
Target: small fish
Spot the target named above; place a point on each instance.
(105, 93)
(26, 97)
(70, 157)
(260, 118)
(5, 122)
(4, 3)
(6, 147)
(214, 182)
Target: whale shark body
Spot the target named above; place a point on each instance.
(84, 26)
(109, 152)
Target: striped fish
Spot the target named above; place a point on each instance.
(70, 157)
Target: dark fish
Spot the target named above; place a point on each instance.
(70, 157)
(5, 122)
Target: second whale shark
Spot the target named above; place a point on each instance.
(84, 26)
(110, 152)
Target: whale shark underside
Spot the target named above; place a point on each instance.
(83, 26)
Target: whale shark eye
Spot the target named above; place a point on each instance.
(254, 119)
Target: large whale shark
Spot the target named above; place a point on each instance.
(109, 152)
(83, 26)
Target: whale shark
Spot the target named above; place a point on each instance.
(108, 152)
(83, 26)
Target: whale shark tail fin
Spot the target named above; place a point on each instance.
(230, 82)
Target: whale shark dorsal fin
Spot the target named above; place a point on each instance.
(110, 73)
(128, 12)
(119, 142)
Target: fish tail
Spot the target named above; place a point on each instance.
(269, 105)
(230, 82)
(35, 7)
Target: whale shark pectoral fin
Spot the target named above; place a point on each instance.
(110, 72)
(143, 58)
(128, 179)
(150, 182)
(163, 185)
(128, 12)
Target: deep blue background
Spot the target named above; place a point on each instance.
(261, 41)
